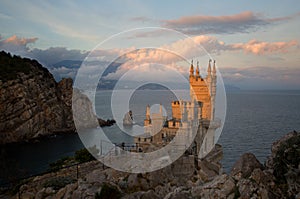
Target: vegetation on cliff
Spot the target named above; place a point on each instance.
(12, 66)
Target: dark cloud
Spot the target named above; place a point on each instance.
(48, 57)
(244, 22)
(53, 55)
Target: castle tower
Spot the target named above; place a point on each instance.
(213, 90)
(147, 121)
(197, 70)
(200, 90)
(208, 77)
(192, 70)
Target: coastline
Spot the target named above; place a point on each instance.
(247, 172)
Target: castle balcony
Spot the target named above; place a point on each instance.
(216, 123)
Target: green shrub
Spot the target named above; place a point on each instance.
(11, 66)
(84, 155)
(59, 164)
(237, 193)
(108, 192)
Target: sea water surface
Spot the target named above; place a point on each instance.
(255, 119)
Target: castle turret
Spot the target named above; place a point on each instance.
(208, 77)
(192, 70)
(160, 109)
(197, 70)
(147, 121)
(214, 79)
(213, 90)
(148, 112)
(209, 68)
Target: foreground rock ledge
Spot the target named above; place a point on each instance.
(185, 178)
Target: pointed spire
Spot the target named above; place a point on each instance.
(148, 112)
(197, 70)
(209, 67)
(214, 68)
(192, 69)
(160, 109)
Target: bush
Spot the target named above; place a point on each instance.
(84, 155)
(59, 164)
(108, 192)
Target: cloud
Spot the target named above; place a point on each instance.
(243, 22)
(262, 77)
(16, 44)
(20, 46)
(184, 50)
(262, 48)
(174, 56)
(19, 41)
(285, 18)
(62, 72)
(54, 55)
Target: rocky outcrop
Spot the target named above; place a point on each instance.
(245, 166)
(248, 179)
(32, 103)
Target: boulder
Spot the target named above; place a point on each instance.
(244, 166)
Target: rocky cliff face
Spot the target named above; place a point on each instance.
(184, 178)
(32, 103)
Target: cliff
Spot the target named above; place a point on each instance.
(32, 103)
(278, 178)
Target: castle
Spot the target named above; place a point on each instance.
(188, 117)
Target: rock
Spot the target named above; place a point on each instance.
(244, 166)
(69, 190)
(247, 188)
(228, 186)
(61, 193)
(33, 104)
(248, 179)
(135, 195)
(161, 191)
(76, 194)
(264, 178)
(284, 163)
(49, 190)
(178, 193)
(40, 194)
(27, 195)
(149, 195)
(96, 176)
(276, 145)
(221, 187)
(137, 182)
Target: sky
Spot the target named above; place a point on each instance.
(256, 43)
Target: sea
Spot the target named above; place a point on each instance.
(254, 120)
